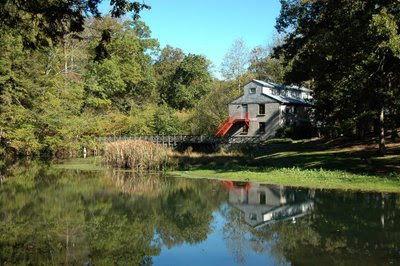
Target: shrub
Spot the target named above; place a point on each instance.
(301, 131)
(278, 141)
(284, 132)
(189, 150)
(137, 155)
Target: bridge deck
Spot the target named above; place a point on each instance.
(174, 140)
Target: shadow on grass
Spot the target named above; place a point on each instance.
(303, 156)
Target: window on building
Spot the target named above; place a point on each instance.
(252, 90)
(245, 129)
(261, 109)
(295, 94)
(263, 198)
(245, 108)
(261, 127)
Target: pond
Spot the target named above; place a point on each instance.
(51, 216)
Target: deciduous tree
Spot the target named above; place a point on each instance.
(236, 62)
(347, 49)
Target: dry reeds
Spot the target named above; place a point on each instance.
(139, 184)
(149, 185)
(137, 155)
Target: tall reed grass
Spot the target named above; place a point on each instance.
(137, 155)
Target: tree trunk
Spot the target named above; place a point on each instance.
(65, 56)
(361, 130)
(395, 134)
(382, 148)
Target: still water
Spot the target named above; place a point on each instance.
(51, 216)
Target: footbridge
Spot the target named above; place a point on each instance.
(176, 140)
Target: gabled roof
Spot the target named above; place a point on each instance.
(254, 98)
(288, 99)
(288, 212)
(262, 83)
(280, 86)
(271, 98)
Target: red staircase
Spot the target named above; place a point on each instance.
(229, 122)
(232, 185)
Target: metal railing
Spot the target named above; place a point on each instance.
(174, 140)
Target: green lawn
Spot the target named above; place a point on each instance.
(311, 164)
(306, 164)
(303, 178)
(83, 164)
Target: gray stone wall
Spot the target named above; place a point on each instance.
(246, 88)
(256, 97)
(271, 118)
(277, 113)
(252, 204)
(235, 110)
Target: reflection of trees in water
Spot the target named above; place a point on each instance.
(183, 208)
(345, 229)
(50, 216)
(236, 234)
(350, 228)
(185, 216)
(53, 216)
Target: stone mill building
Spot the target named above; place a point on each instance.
(264, 108)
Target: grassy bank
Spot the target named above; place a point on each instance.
(317, 164)
(303, 178)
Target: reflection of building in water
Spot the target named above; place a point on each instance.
(266, 204)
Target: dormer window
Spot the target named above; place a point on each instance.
(252, 90)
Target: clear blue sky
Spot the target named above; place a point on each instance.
(209, 27)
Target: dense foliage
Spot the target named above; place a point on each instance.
(108, 78)
(68, 74)
(349, 50)
(46, 22)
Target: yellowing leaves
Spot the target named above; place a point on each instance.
(384, 25)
